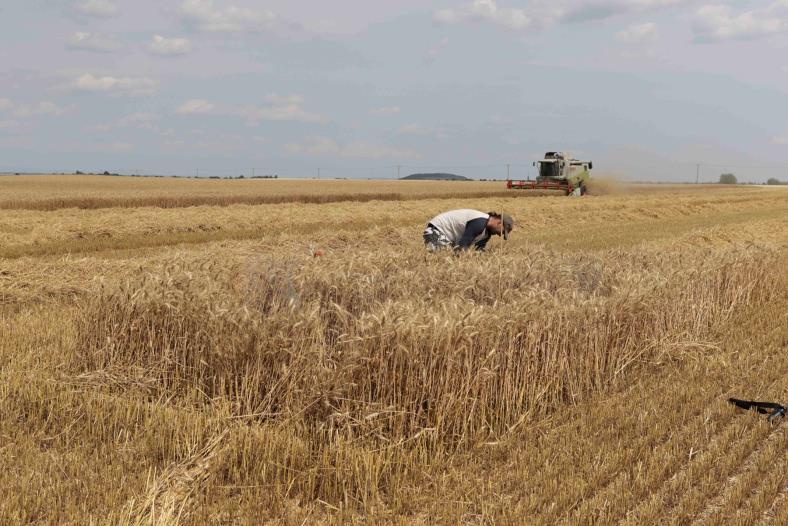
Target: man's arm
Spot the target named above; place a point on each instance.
(473, 228)
(482, 243)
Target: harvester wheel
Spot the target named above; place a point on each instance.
(583, 189)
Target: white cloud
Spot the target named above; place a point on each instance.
(195, 107)
(274, 98)
(143, 120)
(131, 86)
(42, 108)
(314, 146)
(97, 8)
(203, 16)
(375, 151)
(160, 45)
(385, 110)
(174, 143)
(138, 118)
(638, 34)
(290, 112)
(323, 146)
(544, 13)
(31, 110)
(278, 108)
(486, 11)
(8, 124)
(92, 42)
(434, 51)
(281, 108)
(115, 147)
(413, 129)
(781, 140)
(439, 133)
(584, 11)
(718, 22)
(223, 143)
(47, 108)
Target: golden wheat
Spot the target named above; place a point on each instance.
(576, 374)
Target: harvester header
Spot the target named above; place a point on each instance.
(557, 171)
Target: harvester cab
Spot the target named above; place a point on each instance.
(558, 171)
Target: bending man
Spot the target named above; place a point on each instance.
(459, 229)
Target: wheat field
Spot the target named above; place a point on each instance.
(286, 352)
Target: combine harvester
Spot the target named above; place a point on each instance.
(557, 171)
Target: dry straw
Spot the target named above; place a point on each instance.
(362, 366)
(235, 380)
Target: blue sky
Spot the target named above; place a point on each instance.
(644, 88)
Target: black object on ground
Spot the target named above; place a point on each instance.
(765, 408)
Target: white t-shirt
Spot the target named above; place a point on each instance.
(452, 223)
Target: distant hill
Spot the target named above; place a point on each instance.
(435, 177)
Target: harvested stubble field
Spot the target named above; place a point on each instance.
(198, 365)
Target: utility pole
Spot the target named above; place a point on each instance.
(196, 172)
(697, 172)
(318, 173)
(399, 167)
(252, 173)
(508, 166)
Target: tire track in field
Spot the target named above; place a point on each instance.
(601, 501)
(757, 483)
(605, 505)
(730, 502)
(663, 484)
(681, 496)
(606, 473)
(657, 453)
(678, 498)
(687, 492)
(667, 462)
(601, 472)
(709, 424)
(671, 458)
(758, 488)
(778, 509)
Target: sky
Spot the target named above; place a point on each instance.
(647, 89)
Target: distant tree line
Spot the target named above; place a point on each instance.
(730, 178)
(115, 174)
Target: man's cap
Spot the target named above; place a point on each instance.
(508, 225)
